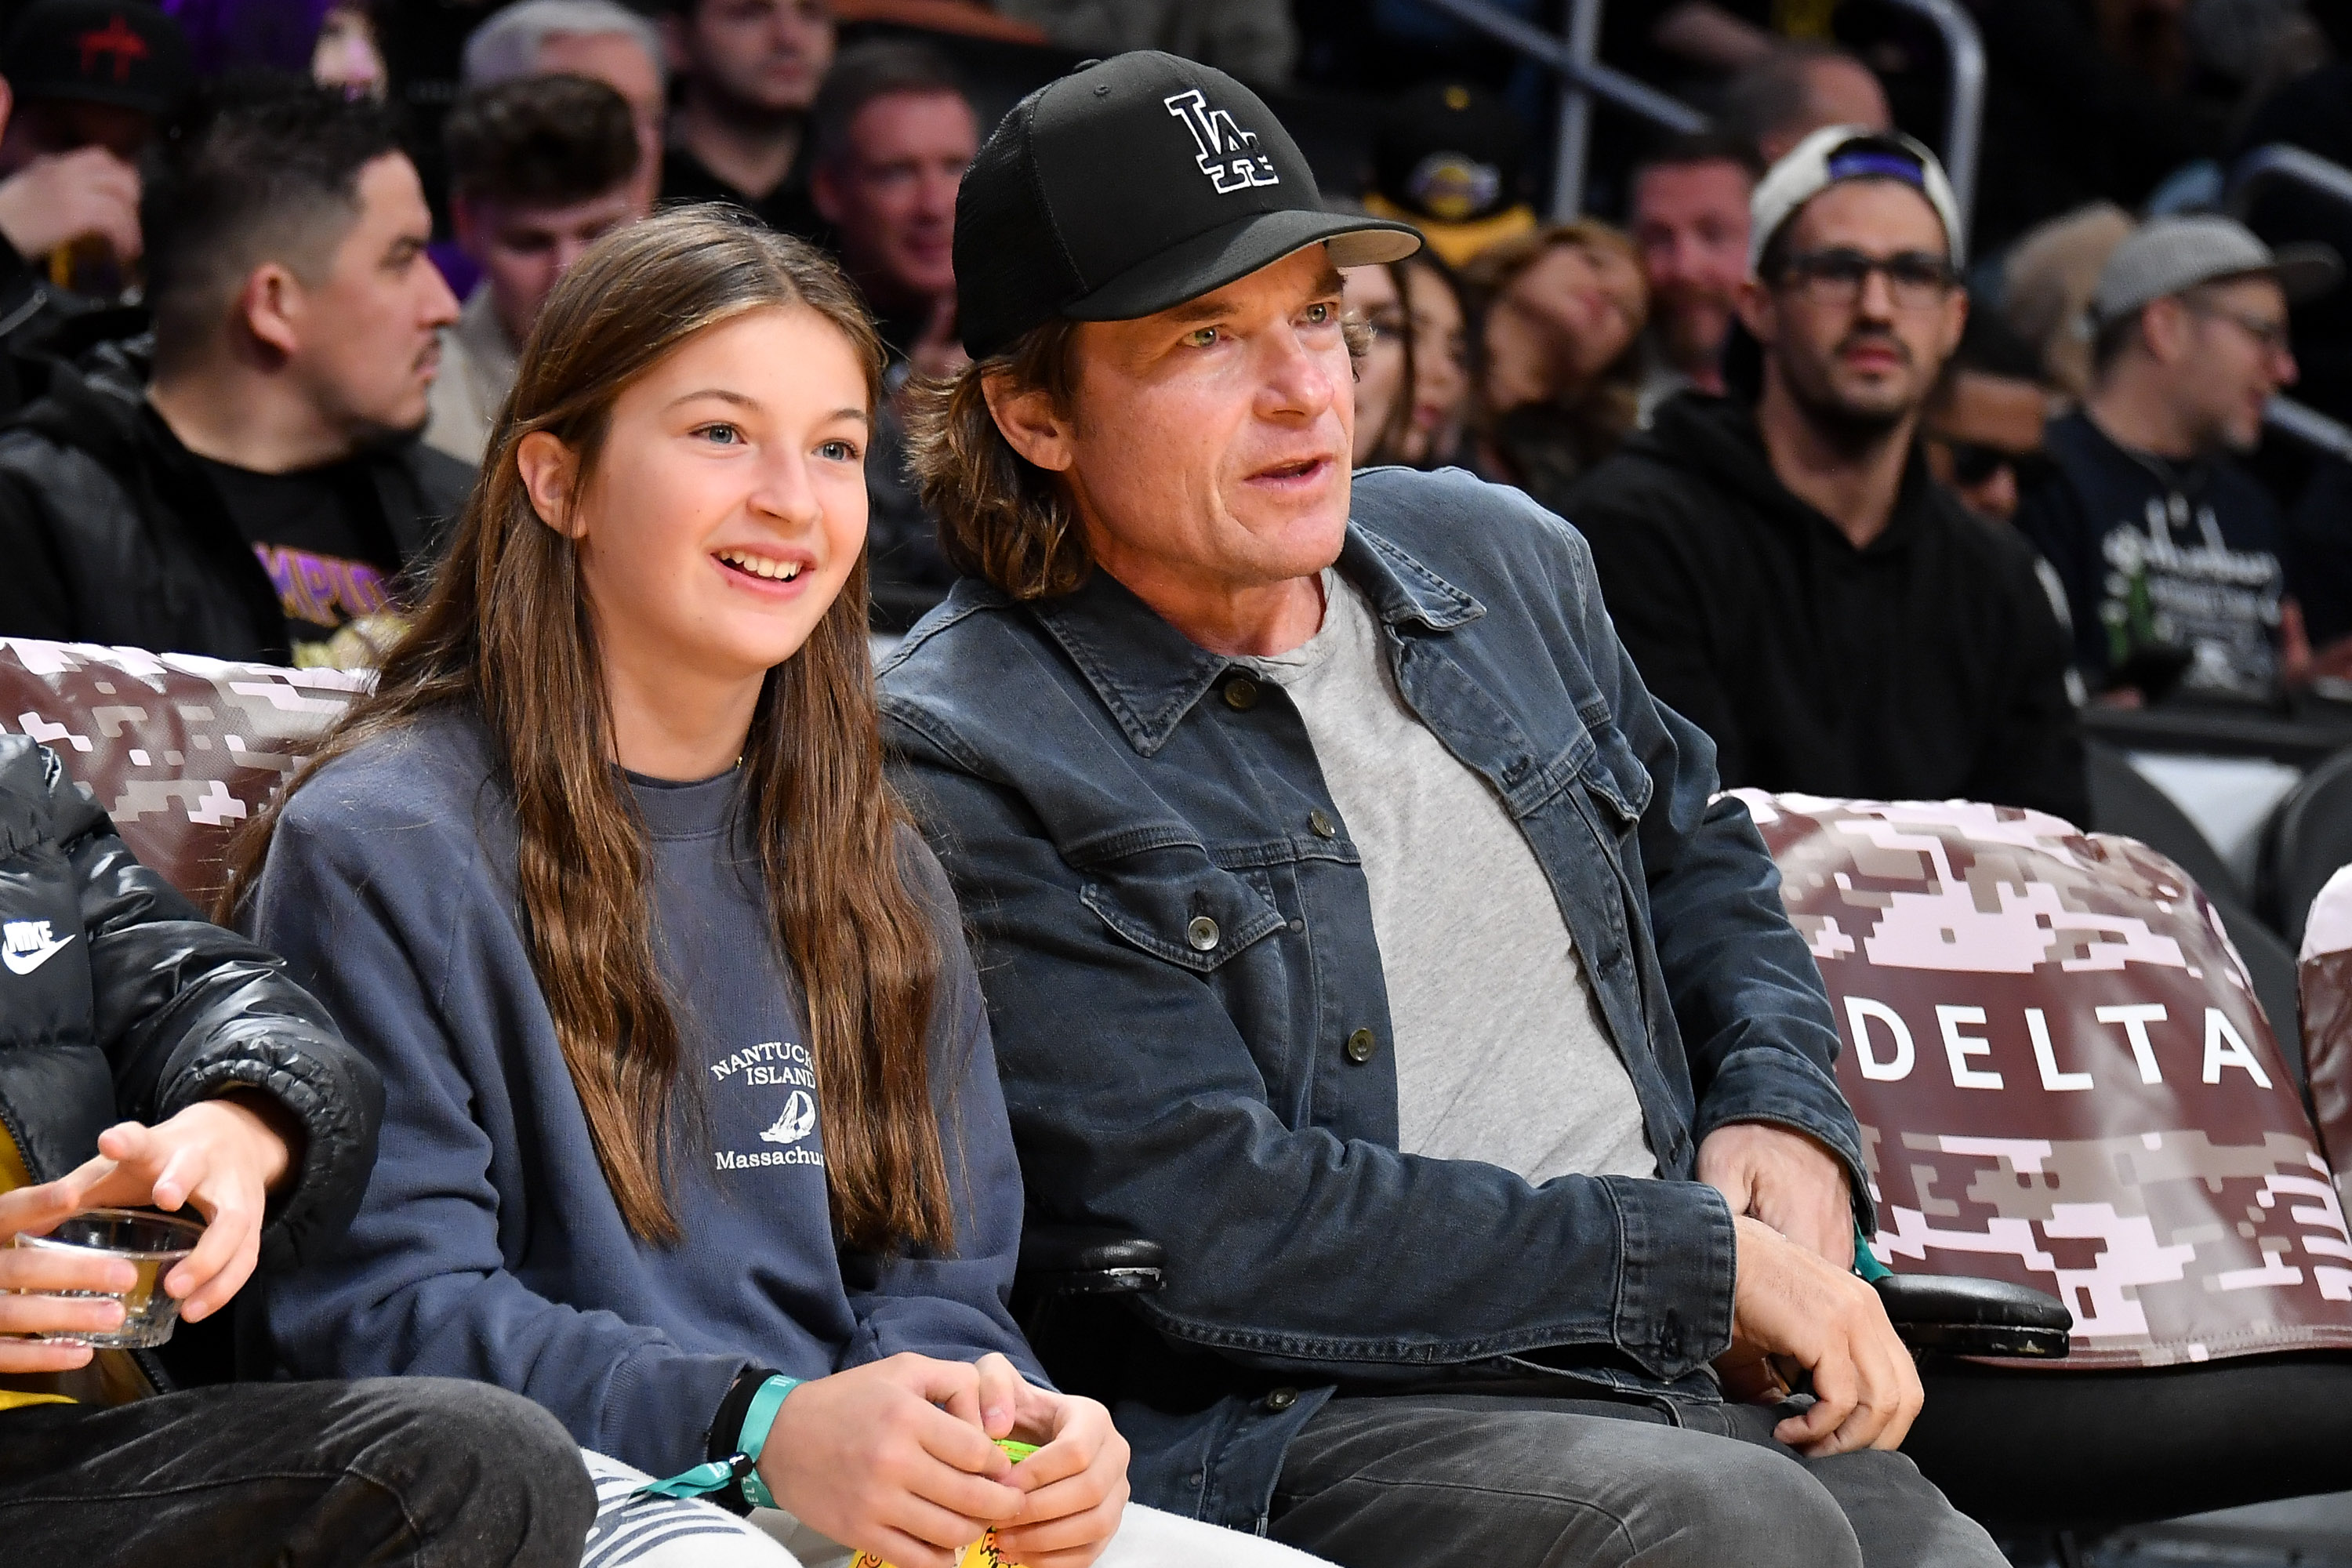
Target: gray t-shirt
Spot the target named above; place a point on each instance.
(1501, 1052)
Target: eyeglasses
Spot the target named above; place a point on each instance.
(1914, 279)
(2269, 335)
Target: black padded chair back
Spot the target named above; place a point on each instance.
(2123, 801)
(2309, 836)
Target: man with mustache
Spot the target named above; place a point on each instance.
(1779, 562)
(262, 497)
(1689, 220)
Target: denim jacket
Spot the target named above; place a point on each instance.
(1177, 953)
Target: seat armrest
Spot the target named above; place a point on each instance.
(1089, 1260)
(1976, 1317)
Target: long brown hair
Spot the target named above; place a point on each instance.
(505, 631)
(1604, 410)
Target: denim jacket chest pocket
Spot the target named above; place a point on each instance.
(1177, 904)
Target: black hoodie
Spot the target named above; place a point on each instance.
(1927, 666)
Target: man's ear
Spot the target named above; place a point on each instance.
(1029, 421)
(2164, 328)
(273, 306)
(825, 192)
(1955, 322)
(1754, 304)
(549, 470)
(8, 105)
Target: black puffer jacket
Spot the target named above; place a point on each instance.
(119, 1002)
(113, 533)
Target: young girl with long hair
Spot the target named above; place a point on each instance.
(689, 1089)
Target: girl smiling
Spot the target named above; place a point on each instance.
(693, 1130)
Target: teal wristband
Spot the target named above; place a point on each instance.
(718, 1475)
(757, 1422)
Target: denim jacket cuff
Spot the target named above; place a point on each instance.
(1788, 1091)
(1676, 1274)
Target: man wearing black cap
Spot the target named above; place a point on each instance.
(82, 84)
(1355, 926)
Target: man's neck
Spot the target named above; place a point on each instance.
(750, 150)
(1851, 478)
(248, 421)
(1259, 619)
(2133, 413)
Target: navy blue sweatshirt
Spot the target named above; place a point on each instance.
(488, 1245)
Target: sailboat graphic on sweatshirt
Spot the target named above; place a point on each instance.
(798, 1119)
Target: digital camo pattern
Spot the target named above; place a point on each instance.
(179, 750)
(2065, 1079)
(2324, 978)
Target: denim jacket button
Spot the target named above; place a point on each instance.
(1202, 933)
(1322, 823)
(1281, 1398)
(1240, 694)
(1361, 1047)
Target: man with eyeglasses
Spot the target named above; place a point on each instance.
(1780, 562)
(2171, 554)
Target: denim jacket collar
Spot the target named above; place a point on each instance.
(1149, 675)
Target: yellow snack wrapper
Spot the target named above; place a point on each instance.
(981, 1553)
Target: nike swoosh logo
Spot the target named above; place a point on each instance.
(26, 962)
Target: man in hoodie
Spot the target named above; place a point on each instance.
(1779, 562)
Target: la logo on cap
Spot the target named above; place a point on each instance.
(1228, 154)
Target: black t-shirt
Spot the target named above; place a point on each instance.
(787, 209)
(2182, 556)
(321, 537)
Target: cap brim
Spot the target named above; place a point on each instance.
(1209, 261)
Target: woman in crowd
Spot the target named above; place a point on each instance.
(1561, 311)
(689, 1093)
(1413, 384)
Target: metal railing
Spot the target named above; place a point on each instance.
(1585, 79)
(2281, 164)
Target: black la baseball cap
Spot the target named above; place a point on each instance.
(122, 52)
(1131, 184)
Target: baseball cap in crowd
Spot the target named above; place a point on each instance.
(1131, 184)
(2171, 255)
(1836, 153)
(120, 52)
(1445, 159)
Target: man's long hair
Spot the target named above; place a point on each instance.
(506, 632)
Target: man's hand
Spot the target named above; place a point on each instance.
(1076, 1481)
(891, 1457)
(1790, 1304)
(55, 200)
(1785, 1179)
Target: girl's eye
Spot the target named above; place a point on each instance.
(839, 451)
(723, 434)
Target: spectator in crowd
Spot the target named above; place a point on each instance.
(629, 758)
(333, 42)
(1796, 90)
(540, 167)
(348, 55)
(2171, 554)
(1302, 963)
(2046, 284)
(1783, 571)
(601, 39)
(751, 70)
(1414, 379)
(155, 1059)
(85, 83)
(1561, 319)
(1689, 221)
(1981, 428)
(892, 134)
(1445, 159)
(1256, 41)
(266, 497)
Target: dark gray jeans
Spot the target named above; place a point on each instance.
(421, 1472)
(1492, 1481)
